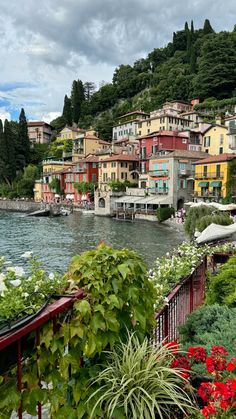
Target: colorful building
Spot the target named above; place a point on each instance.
(39, 132)
(152, 144)
(120, 167)
(84, 170)
(87, 143)
(52, 169)
(230, 123)
(172, 175)
(126, 126)
(212, 175)
(216, 140)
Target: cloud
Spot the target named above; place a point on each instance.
(45, 45)
(4, 114)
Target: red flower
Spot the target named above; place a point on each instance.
(181, 362)
(224, 405)
(208, 410)
(219, 350)
(231, 365)
(198, 353)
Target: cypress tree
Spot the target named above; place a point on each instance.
(9, 145)
(67, 112)
(3, 154)
(77, 98)
(192, 28)
(186, 27)
(22, 143)
(207, 28)
(193, 60)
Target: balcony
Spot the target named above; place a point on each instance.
(209, 175)
(158, 191)
(185, 172)
(158, 173)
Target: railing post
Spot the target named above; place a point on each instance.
(166, 323)
(19, 375)
(191, 293)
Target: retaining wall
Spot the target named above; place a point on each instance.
(20, 206)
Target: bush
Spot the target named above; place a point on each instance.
(210, 325)
(139, 381)
(164, 213)
(222, 287)
(195, 214)
(221, 219)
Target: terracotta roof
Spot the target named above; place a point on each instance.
(104, 142)
(37, 124)
(180, 134)
(216, 125)
(74, 129)
(182, 153)
(121, 157)
(218, 158)
(139, 112)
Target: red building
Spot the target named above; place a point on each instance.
(152, 144)
(84, 170)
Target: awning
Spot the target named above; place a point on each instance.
(216, 184)
(203, 184)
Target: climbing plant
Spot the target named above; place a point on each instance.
(119, 297)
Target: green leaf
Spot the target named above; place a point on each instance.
(83, 307)
(77, 391)
(90, 347)
(97, 322)
(123, 269)
(114, 300)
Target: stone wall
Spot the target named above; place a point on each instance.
(20, 206)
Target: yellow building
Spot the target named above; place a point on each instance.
(212, 175)
(163, 121)
(87, 143)
(52, 165)
(216, 140)
(119, 167)
(38, 190)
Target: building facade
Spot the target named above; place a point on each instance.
(122, 167)
(216, 140)
(126, 126)
(39, 132)
(211, 177)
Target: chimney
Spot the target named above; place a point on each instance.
(218, 120)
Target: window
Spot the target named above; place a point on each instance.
(104, 165)
(139, 125)
(94, 177)
(154, 149)
(139, 133)
(221, 139)
(113, 164)
(218, 170)
(205, 171)
(115, 135)
(123, 164)
(94, 165)
(123, 175)
(207, 141)
(104, 177)
(113, 176)
(221, 150)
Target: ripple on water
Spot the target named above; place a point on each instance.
(56, 240)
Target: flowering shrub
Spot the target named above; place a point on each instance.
(23, 290)
(170, 269)
(218, 397)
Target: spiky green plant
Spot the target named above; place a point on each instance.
(138, 382)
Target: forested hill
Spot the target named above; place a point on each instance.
(197, 63)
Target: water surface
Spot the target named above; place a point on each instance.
(56, 240)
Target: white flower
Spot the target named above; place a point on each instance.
(2, 284)
(166, 300)
(25, 294)
(36, 288)
(17, 270)
(27, 255)
(51, 275)
(2, 277)
(15, 282)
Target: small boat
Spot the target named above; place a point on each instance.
(40, 213)
(65, 211)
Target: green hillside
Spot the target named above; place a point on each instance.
(197, 63)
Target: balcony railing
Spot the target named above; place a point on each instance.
(209, 175)
(158, 173)
(186, 172)
(159, 191)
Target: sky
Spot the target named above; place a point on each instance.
(46, 44)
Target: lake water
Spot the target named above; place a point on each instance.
(56, 240)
